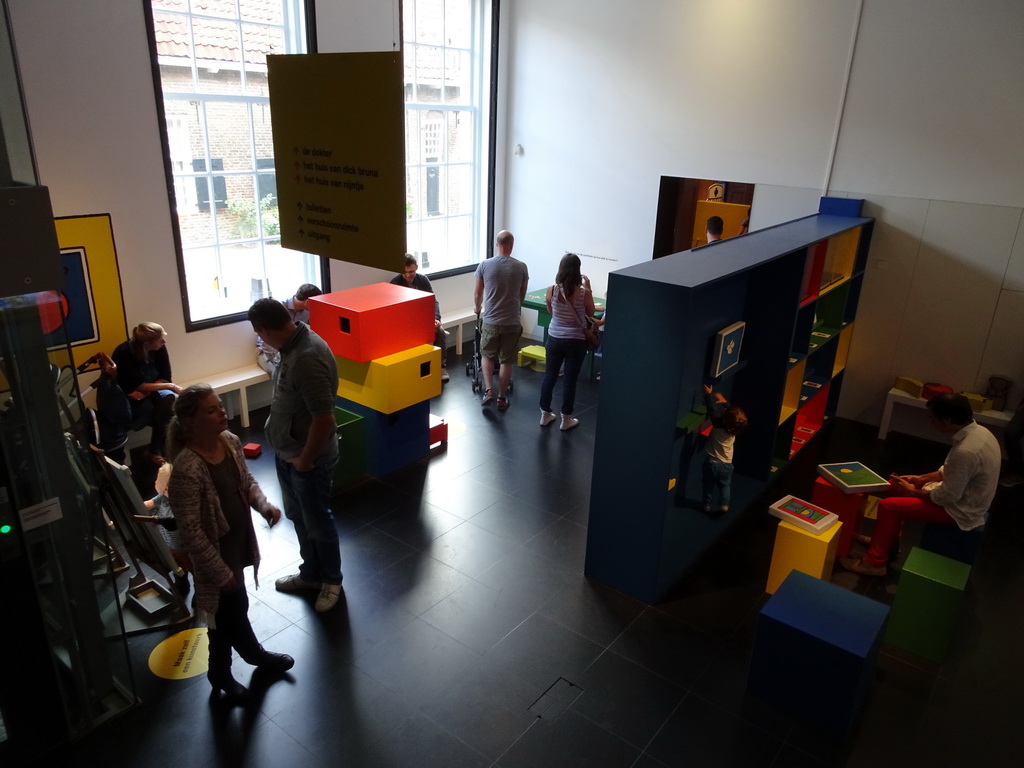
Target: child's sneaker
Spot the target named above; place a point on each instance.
(502, 403)
(488, 397)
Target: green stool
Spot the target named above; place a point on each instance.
(352, 460)
(927, 604)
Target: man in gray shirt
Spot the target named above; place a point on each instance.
(301, 430)
(500, 289)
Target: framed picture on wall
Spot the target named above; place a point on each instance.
(727, 348)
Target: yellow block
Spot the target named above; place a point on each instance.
(535, 353)
(393, 382)
(804, 551)
(978, 402)
(909, 385)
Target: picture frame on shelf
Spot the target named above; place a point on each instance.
(728, 343)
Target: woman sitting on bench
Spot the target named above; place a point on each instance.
(144, 373)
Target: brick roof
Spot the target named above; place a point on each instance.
(217, 40)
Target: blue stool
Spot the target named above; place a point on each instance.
(815, 648)
(949, 541)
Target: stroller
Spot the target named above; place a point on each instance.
(473, 367)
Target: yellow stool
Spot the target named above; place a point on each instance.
(533, 353)
(804, 551)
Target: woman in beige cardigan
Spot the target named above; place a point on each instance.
(212, 492)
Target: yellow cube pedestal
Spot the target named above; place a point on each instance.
(535, 354)
(392, 382)
(800, 550)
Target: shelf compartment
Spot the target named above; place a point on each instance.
(821, 334)
(810, 417)
(802, 327)
(840, 258)
(842, 350)
(782, 451)
(813, 267)
(791, 394)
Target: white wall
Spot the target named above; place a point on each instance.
(88, 82)
(606, 99)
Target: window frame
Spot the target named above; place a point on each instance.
(306, 7)
(488, 159)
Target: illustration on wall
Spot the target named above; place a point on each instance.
(727, 348)
(91, 300)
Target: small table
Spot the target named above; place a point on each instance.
(899, 397)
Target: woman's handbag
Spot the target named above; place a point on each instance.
(590, 333)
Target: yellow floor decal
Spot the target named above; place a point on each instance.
(181, 655)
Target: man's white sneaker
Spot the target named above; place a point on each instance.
(546, 417)
(294, 583)
(328, 597)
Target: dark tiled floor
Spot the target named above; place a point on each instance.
(465, 603)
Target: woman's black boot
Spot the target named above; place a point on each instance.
(219, 673)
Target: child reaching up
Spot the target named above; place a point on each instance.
(727, 421)
(160, 505)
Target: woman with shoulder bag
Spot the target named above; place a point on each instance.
(212, 494)
(571, 305)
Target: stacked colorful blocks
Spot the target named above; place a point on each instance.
(387, 368)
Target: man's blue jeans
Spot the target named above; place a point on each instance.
(307, 503)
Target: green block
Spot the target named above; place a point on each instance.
(924, 614)
(352, 448)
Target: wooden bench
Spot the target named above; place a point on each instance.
(457, 318)
(235, 380)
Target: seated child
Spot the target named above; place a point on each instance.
(727, 421)
(162, 516)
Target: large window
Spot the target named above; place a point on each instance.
(447, 51)
(213, 76)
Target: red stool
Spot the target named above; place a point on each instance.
(849, 507)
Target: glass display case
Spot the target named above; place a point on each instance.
(66, 665)
(65, 658)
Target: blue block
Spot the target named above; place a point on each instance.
(949, 541)
(840, 206)
(393, 440)
(814, 654)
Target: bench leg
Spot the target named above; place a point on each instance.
(243, 406)
(458, 339)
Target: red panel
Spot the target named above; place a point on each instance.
(849, 507)
(362, 324)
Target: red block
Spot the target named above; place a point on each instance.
(849, 507)
(252, 450)
(438, 430)
(931, 390)
(363, 324)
